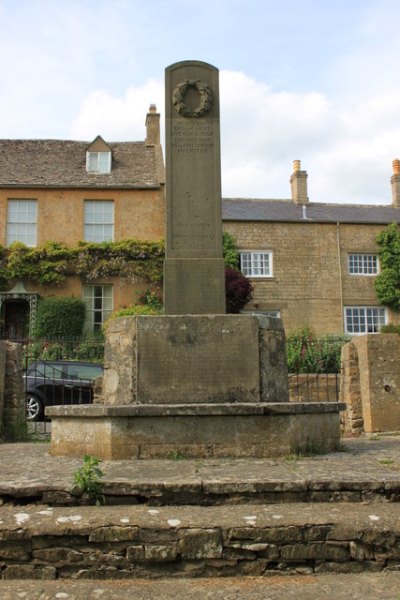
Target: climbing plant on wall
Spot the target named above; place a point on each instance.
(51, 263)
(132, 259)
(387, 283)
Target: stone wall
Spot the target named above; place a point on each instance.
(13, 416)
(126, 542)
(370, 383)
(310, 282)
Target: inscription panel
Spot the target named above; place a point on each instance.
(185, 359)
(192, 136)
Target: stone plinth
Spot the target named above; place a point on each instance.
(196, 431)
(195, 359)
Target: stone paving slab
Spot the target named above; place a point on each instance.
(385, 586)
(366, 464)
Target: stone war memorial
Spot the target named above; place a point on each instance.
(194, 382)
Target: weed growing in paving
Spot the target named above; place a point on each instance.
(87, 479)
(176, 455)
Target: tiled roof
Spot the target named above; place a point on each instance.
(62, 163)
(239, 209)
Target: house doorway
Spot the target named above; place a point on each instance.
(15, 319)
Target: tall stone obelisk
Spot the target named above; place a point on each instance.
(194, 280)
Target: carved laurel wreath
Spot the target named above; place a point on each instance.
(178, 98)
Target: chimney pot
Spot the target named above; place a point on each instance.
(396, 166)
(395, 182)
(153, 126)
(298, 182)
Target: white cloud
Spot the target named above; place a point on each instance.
(347, 151)
(117, 118)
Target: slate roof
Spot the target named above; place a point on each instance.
(62, 163)
(238, 209)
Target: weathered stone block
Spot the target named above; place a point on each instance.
(114, 534)
(201, 543)
(158, 553)
(28, 572)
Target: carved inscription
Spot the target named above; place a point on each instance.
(192, 137)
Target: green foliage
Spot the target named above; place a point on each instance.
(390, 329)
(88, 348)
(230, 251)
(87, 479)
(50, 264)
(151, 299)
(59, 317)
(131, 259)
(46, 265)
(134, 310)
(387, 283)
(307, 353)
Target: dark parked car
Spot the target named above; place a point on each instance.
(58, 382)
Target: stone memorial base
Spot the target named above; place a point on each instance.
(194, 386)
(195, 431)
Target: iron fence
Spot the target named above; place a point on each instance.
(314, 387)
(57, 372)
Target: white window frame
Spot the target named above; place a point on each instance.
(98, 223)
(360, 320)
(22, 221)
(363, 264)
(256, 263)
(99, 301)
(98, 162)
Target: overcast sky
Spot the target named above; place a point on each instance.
(315, 80)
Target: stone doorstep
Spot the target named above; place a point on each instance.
(168, 410)
(104, 542)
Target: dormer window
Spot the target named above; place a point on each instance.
(98, 157)
(98, 162)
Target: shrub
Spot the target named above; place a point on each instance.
(59, 317)
(238, 290)
(230, 251)
(307, 353)
(390, 328)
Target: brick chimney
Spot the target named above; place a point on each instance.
(395, 181)
(298, 182)
(153, 126)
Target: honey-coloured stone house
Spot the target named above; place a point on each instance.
(314, 264)
(68, 191)
(310, 263)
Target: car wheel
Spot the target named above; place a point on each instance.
(34, 408)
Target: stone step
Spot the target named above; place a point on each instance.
(367, 470)
(188, 541)
(363, 586)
